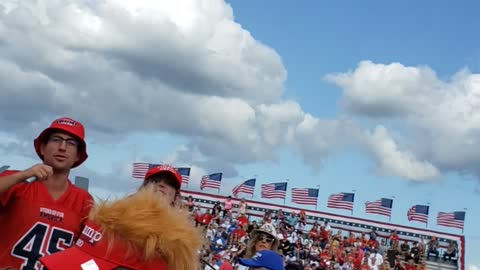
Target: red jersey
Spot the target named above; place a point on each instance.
(32, 224)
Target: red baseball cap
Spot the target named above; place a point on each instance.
(69, 126)
(165, 169)
(94, 251)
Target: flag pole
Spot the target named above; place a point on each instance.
(390, 217)
(426, 225)
(189, 172)
(316, 205)
(463, 227)
(353, 199)
(254, 176)
(285, 198)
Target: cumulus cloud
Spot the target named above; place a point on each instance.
(392, 161)
(378, 90)
(438, 117)
(189, 69)
(184, 68)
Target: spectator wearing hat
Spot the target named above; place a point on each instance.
(264, 238)
(138, 232)
(264, 259)
(52, 209)
(165, 180)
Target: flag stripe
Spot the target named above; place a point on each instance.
(185, 173)
(417, 213)
(377, 207)
(274, 191)
(245, 187)
(338, 201)
(305, 196)
(141, 168)
(448, 220)
(211, 181)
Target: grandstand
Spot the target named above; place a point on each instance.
(348, 224)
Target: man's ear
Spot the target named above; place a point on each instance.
(42, 150)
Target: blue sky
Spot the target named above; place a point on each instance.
(378, 98)
(318, 38)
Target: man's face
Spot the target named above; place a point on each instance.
(60, 151)
(163, 187)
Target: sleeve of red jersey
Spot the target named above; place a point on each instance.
(6, 196)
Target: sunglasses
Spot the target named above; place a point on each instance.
(267, 238)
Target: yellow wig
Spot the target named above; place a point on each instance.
(151, 225)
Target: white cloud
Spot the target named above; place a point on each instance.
(189, 69)
(473, 267)
(386, 90)
(436, 117)
(184, 68)
(392, 161)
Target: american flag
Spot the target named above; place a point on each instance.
(341, 201)
(305, 196)
(212, 181)
(274, 190)
(381, 207)
(418, 213)
(245, 187)
(451, 219)
(185, 173)
(141, 168)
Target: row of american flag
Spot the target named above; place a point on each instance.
(309, 196)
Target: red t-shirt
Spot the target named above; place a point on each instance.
(226, 266)
(365, 267)
(32, 224)
(410, 267)
(206, 218)
(241, 233)
(242, 220)
(394, 237)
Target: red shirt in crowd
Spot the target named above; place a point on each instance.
(242, 220)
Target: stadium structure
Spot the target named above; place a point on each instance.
(257, 209)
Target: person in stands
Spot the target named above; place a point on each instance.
(47, 215)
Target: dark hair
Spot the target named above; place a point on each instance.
(170, 179)
(294, 266)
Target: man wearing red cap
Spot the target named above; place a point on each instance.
(44, 216)
(166, 181)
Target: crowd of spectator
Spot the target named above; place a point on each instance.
(228, 230)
